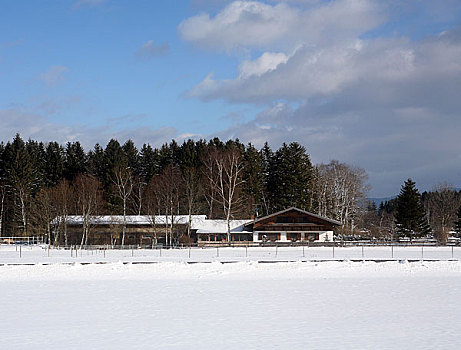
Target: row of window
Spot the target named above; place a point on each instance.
(292, 228)
(291, 236)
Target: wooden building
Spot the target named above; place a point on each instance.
(289, 225)
(107, 229)
(293, 225)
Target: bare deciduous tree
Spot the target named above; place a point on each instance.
(169, 188)
(225, 174)
(88, 202)
(123, 181)
(341, 189)
(441, 206)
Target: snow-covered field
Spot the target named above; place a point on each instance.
(242, 305)
(34, 254)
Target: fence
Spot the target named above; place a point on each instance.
(275, 253)
(22, 240)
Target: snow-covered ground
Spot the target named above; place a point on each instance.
(34, 254)
(242, 305)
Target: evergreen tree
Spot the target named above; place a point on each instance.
(22, 177)
(54, 164)
(114, 160)
(253, 179)
(149, 163)
(96, 160)
(267, 159)
(410, 216)
(76, 160)
(291, 175)
(131, 155)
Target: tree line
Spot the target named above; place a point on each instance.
(40, 182)
(412, 214)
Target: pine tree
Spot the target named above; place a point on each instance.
(253, 179)
(410, 216)
(75, 160)
(54, 164)
(22, 176)
(291, 178)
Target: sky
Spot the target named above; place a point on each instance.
(375, 84)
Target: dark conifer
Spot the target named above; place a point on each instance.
(410, 216)
(75, 160)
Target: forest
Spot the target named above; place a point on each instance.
(43, 181)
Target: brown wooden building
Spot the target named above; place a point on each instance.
(293, 225)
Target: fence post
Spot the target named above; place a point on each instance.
(189, 252)
(422, 252)
(333, 250)
(132, 251)
(452, 252)
(71, 252)
(392, 251)
(246, 251)
(20, 251)
(303, 252)
(362, 251)
(160, 251)
(104, 252)
(276, 249)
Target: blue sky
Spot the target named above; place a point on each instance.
(371, 83)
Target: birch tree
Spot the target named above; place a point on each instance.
(88, 198)
(226, 180)
(123, 181)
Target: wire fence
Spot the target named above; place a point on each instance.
(99, 254)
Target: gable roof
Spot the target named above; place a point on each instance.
(331, 221)
(220, 226)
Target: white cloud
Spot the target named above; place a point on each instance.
(30, 124)
(267, 62)
(389, 104)
(247, 24)
(54, 75)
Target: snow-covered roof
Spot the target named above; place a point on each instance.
(219, 226)
(199, 222)
(132, 219)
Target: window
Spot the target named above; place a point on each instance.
(269, 237)
(294, 236)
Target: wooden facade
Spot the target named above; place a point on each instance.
(293, 225)
(290, 225)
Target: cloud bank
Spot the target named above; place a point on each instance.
(329, 75)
